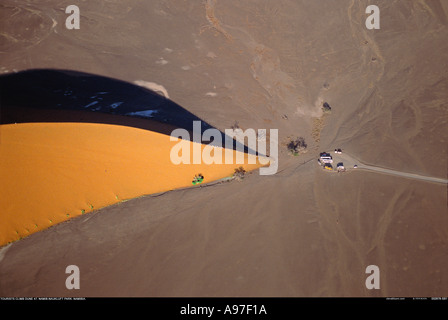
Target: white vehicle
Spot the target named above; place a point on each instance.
(340, 167)
(325, 158)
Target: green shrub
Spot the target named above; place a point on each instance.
(297, 146)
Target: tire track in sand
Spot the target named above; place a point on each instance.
(349, 161)
(396, 204)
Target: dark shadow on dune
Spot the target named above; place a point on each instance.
(49, 91)
(48, 95)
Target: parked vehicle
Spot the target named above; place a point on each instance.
(325, 158)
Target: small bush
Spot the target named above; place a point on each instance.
(239, 173)
(326, 108)
(297, 146)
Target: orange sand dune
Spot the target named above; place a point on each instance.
(51, 172)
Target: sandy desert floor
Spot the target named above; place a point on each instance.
(266, 64)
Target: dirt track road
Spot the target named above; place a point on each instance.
(349, 161)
